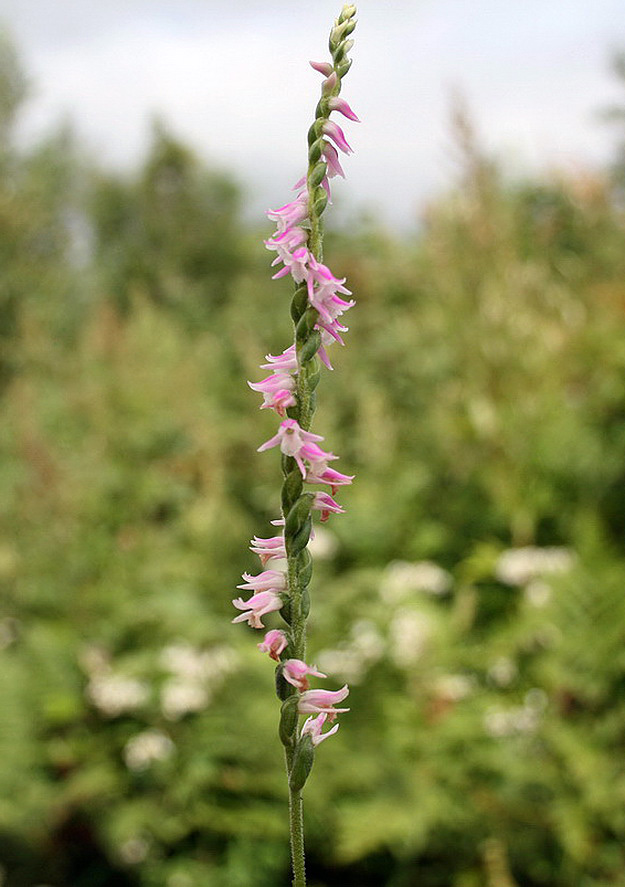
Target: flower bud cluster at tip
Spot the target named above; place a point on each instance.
(289, 390)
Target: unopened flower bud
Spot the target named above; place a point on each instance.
(324, 68)
(348, 11)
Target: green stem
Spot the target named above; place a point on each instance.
(296, 821)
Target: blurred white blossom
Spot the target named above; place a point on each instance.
(134, 850)
(179, 697)
(519, 566)
(147, 747)
(409, 632)
(352, 658)
(538, 593)
(114, 694)
(503, 671)
(520, 719)
(454, 687)
(401, 578)
(195, 675)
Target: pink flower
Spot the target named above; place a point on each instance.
(296, 265)
(313, 453)
(283, 363)
(285, 242)
(290, 214)
(337, 104)
(313, 727)
(323, 288)
(291, 438)
(274, 643)
(334, 132)
(268, 549)
(324, 503)
(269, 580)
(277, 391)
(322, 702)
(319, 473)
(331, 156)
(295, 672)
(257, 606)
(324, 68)
(326, 340)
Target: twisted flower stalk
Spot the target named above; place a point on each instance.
(290, 390)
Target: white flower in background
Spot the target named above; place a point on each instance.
(503, 671)
(537, 593)
(134, 850)
(147, 747)
(115, 694)
(186, 661)
(454, 687)
(520, 719)
(401, 578)
(352, 659)
(409, 632)
(179, 698)
(195, 676)
(518, 566)
(343, 663)
(367, 640)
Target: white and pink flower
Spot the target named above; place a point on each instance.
(291, 214)
(291, 438)
(257, 606)
(313, 726)
(268, 549)
(323, 702)
(278, 392)
(324, 503)
(296, 671)
(268, 580)
(319, 473)
(274, 642)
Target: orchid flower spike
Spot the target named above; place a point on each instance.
(319, 302)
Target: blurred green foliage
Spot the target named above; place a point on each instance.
(473, 594)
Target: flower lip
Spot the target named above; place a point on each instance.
(313, 726)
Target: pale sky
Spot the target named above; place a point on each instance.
(232, 80)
